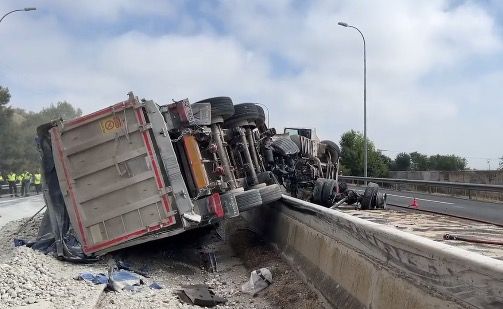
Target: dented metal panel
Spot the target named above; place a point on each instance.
(110, 177)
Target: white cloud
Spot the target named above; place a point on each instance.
(407, 41)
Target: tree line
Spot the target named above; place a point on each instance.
(379, 165)
(18, 147)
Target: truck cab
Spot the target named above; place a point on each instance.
(309, 133)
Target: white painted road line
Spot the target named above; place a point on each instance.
(420, 199)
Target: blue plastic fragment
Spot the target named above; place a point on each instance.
(123, 275)
(96, 279)
(19, 242)
(155, 286)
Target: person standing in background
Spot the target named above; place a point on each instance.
(26, 183)
(37, 181)
(11, 179)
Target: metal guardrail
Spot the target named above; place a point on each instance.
(445, 184)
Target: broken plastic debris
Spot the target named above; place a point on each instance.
(259, 280)
(155, 286)
(118, 280)
(122, 279)
(90, 277)
(19, 242)
(200, 295)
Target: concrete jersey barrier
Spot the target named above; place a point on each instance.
(355, 263)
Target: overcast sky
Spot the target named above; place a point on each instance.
(434, 68)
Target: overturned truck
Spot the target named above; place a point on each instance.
(137, 171)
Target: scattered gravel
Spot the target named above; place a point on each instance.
(28, 277)
(9, 231)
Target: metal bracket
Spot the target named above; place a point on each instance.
(145, 127)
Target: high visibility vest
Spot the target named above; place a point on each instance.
(20, 177)
(11, 177)
(1, 178)
(38, 178)
(27, 176)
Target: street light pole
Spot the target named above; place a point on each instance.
(364, 96)
(21, 10)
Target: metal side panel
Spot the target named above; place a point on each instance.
(168, 157)
(110, 178)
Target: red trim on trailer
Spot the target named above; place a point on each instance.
(55, 136)
(155, 166)
(116, 107)
(109, 243)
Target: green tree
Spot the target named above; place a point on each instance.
(447, 163)
(402, 162)
(7, 132)
(352, 156)
(18, 132)
(419, 161)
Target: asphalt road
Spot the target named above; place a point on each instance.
(482, 211)
(20, 207)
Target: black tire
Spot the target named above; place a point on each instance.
(380, 201)
(318, 187)
(267, 177)
(296, 140)
(285, 146)
(248, 199)
(343, 187)
(369, 196)
(222, 108)
(261, 115)
(270, 194)
(333, 149)
(327, 192)
(352, 197)
(244, 112)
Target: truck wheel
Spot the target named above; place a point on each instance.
(261, 115)
(327, 192)
(221, 108)
(381, 201)
(248, 199)
(318, 187)
(296, 140)
(244, 114)
(267, 177)
(285, 146)
(333, 149)
(369, 196)
(270, 194)
(343, 187)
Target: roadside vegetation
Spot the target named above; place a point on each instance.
(18, 145)
(379, 165)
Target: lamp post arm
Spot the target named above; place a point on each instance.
(9, 13)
